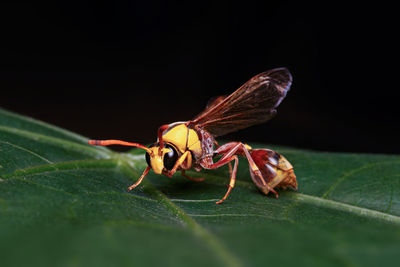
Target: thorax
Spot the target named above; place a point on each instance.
(183, 138)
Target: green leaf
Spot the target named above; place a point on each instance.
(65, 203)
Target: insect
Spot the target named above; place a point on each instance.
(191, 144)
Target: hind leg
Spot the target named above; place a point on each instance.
(194, 179)
(239, 148)
(225, 160)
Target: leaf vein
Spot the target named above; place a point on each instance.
(225, 255)
(27, 150)
(45, 125)
(366, 212)
(89, 150)
(66, 165)
(352, 172)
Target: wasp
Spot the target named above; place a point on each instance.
(181, 146)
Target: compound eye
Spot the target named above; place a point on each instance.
(148, 156)
(170, 158)
(148, 159)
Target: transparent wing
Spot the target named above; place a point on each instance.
(253, 103)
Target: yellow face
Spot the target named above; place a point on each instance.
(161, 159)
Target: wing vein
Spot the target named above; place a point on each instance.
(253, 103)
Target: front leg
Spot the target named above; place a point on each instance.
(178, 163)
(146, 171)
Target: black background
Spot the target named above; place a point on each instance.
(121, 69)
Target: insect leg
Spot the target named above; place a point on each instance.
(224, 160)
(229, 164)
(194, 179)
(177, 164)
(146, 171)
(230, 168)
(241, 149)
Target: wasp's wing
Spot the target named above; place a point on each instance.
(253, 103)
(210, 104)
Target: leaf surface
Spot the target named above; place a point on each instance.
(65, 203)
